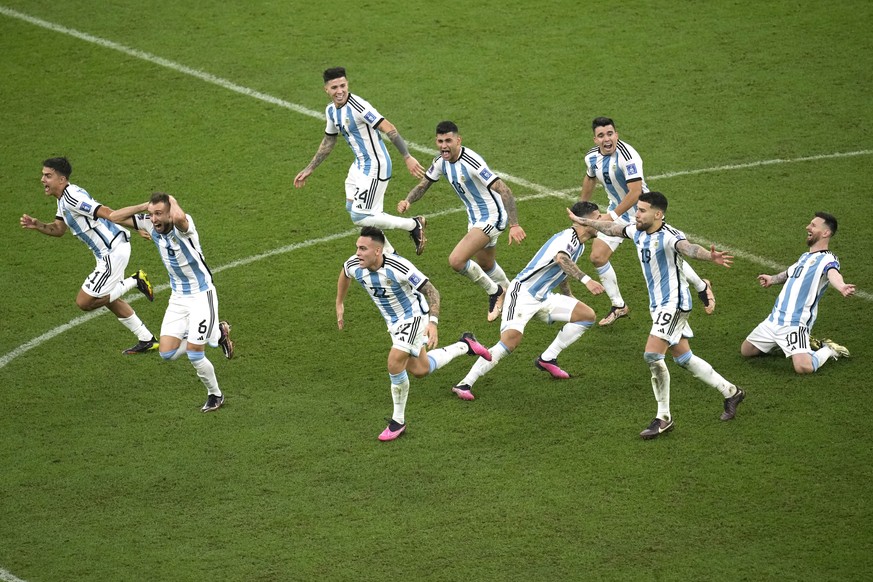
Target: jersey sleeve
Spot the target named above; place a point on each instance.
(416, 278)
(633, 166)
(79, 203)
(833, 263)
(628, 231)
(590, 163)
(349, 266)
(435, 170)
(366, 112)
(485, 175)
(192, 230)
(142, 222)
(331, 127)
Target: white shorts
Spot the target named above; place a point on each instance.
(671, 325)
(109, 271)
(791, 339)
(613, 241)
(367, 194)
(410, 335)
(193, 316)
(520, 307)
(489, 228)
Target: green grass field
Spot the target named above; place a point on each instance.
(749, 116)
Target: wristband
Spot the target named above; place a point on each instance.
(434, 320)
(613, 215)
(585, 279)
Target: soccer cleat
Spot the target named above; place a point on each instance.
(495, 303)
(839, 351)
(213, 402)
(392, 431)
(707, 297)
(464, 392)
(814, 344)
(656, 428)
(417, 234)
(551, 366)
(144, 285)
(474, 348)
(224, 341)
(731, 403)
(142, 347)
(613, 315)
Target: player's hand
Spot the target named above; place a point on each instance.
(847, 290)
(765, 280)
(340, 312)
(573, 217)
(403, 206)
(144, 234)
(300, 178)
(414, 167)
(432, 336)
(516, 234)
(595, 287)
(720, 257)
(28, 221)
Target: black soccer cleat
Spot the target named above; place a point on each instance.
(142, 347)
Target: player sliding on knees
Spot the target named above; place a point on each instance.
(530, 295)
(410, 305)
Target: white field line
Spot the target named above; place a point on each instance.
(541, 191)
(7, 576)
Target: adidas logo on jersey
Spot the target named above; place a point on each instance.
(201, 339)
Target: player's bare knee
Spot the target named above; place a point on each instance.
(749, 351)
(87, 303)
(803, 366)
(583, 313)
(457, 263)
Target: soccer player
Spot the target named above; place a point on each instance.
(661, 250)
(490, 209)
(618, 166)
(191, 320)
(530, 295)
(790, 323)
(368, 176)
(88, 221)
(410, 305)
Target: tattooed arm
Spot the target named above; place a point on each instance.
(695, 251)
(516, 232)
(414, 195)
(327, 145)
(433, 300)
(607, 227)
(414, 167)
(572, 269)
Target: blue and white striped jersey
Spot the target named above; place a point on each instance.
(472, 180)
(543, 273)
(798, 301)
(662, 266)
(357, 121)
(615, 172)
(79, 211)
(182, 256)
(394, 287)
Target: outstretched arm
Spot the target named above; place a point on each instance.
(414, 167)
(572, 269)
(342, 288)
(414, 195)
(433, 300)
(695, 251)
(56, 228)
(836, 279)
(516, 232)
(768, 280)
(327, 145)
(123, 215)
(607, 227)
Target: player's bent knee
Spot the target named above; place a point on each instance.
(168, 355)
(196, 355)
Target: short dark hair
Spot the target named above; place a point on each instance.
(446, 127)
(60, 165)
(374, 233)
(583, 209)
(160, 198)
(656, 199)
(333, 73)
(602, 122)
(829, 220)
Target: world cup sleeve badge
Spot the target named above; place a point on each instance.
(485, 174)
(631, 169)
(369, 117)
(85, 207)
(414, 279)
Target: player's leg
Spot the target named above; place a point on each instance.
(602, 248)
(702, 286)
(398, 358)
(203, 329)
(656, 348)
(367, 210)
(578, 317)
(813, 359)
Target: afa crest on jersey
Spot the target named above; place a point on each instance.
(369, 117)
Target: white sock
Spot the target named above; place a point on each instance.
(497, 275)
(135, 324)
(693, 278)
(660, 383)
(821, 356)
(610, 283)
(439, 358)
(568, 334)
(387, 221)
(483, 366)
(205, 371)
(701, 370)
(121, 288)
(399, 394)
(474, 272)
